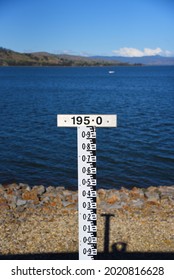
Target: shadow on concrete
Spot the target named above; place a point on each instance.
(118, 251)
(115, 255)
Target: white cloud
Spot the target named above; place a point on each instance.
(150, 52)
(132, 52)
(128, 52)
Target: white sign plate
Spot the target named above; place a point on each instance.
(86, 120)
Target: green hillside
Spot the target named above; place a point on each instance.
(12, 58)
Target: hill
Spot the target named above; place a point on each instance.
(12, 58)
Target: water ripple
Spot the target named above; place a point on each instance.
(138, 152)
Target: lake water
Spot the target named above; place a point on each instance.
(139, 152)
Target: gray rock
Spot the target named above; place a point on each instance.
(66, 193)
(103, 205)
(45, 200)
(117, 205)
(50, 189)
(12, 205)
(60, 189)
(20, 209)
(1, 190)
(75, 197)
(10, 197)
(40, 189)
(20, 202)
(66, 203)
(141, 193)
(13, 186)
(101, 193)
(124, 196)
(25, 186)
(151, 196)
(137, 203)
(166, 192)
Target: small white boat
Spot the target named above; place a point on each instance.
(111, 72)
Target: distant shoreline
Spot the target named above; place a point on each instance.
(78, 66)
(11, 58)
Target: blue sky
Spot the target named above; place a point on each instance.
(88, 27)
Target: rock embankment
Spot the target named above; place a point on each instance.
(38, 219)
(22, 196)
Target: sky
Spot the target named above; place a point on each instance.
(88, 27)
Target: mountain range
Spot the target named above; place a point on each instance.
(145, 60)
(13, 58)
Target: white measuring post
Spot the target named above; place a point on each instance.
(87, 180)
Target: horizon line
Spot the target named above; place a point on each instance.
(81, 54)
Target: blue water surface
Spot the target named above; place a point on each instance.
(139, 152)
